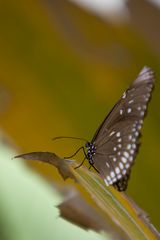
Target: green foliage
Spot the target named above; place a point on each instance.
(28, 206)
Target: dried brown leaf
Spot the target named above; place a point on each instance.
(76, 210)
(63, 165)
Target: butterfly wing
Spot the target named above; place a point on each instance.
(117, 138)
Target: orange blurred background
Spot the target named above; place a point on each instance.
(62, 68)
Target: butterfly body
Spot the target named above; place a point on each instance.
(116, 142)
(91, 150)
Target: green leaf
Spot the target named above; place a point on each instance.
(28, 206)
(117, 206)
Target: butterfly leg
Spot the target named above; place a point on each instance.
(80, 163)
(91, 165)
(75, 153)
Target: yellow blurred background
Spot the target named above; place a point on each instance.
(62, 68)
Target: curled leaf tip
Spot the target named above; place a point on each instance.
(63, 165)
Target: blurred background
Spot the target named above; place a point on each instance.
(64, 64)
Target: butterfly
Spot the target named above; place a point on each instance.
(115, 144)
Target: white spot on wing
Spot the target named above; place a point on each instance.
(136, 134)
(127, 165)
(106, 182)
(131, 158)
(119, 176)
(142, 113)
(131, 101)
(118, 134)
(114, 179)
(140, 121)
(124, 95)
(111, 133)
(121, 165)
(117, 170)
(121, 111)
(130, 137)
(134, 146)
(129, 110)
(124, 160)
(146, 98)
(129, 146)
(112, 174)
(131, 151)
(126, 154)
(111, 182)
(107, 164)
(109, 178)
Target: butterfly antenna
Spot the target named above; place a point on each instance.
(60, 137)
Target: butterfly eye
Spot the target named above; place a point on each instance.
(87, 145)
